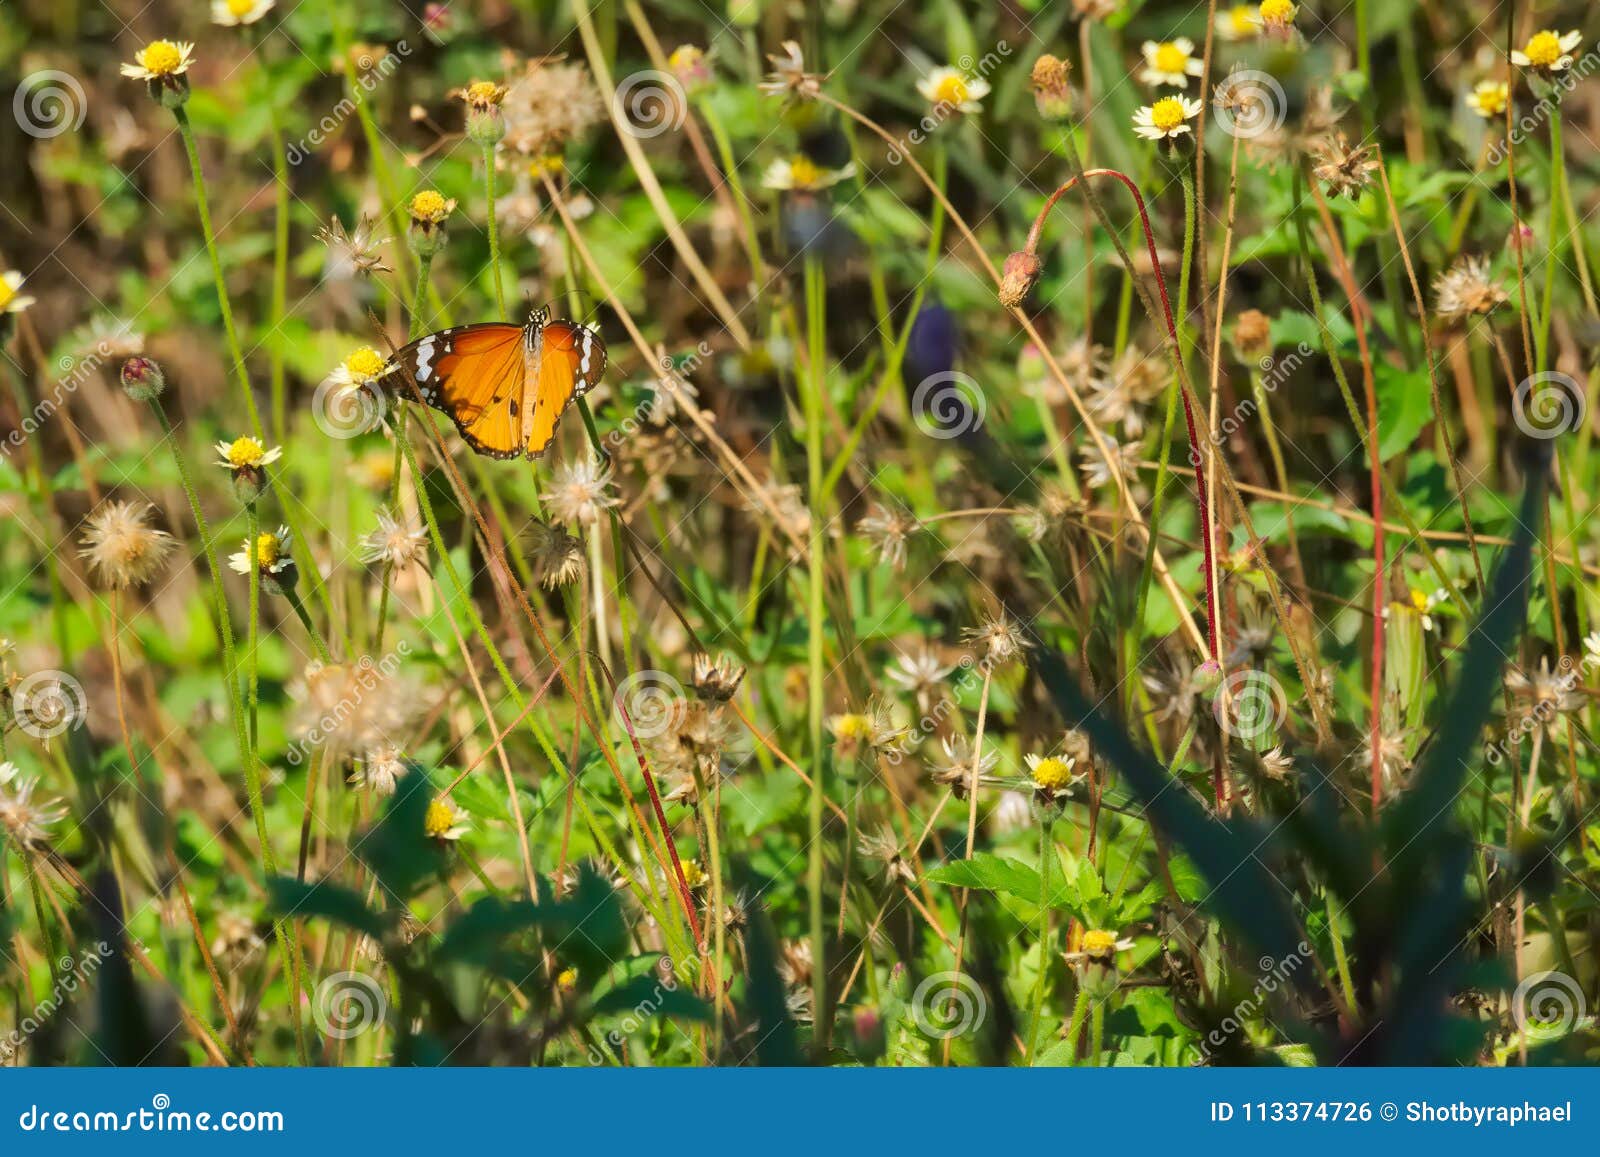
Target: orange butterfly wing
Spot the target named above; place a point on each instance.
(477, 374)
(571, 359)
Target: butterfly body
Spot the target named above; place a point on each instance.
(504, 386)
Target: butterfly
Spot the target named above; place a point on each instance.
(504, 386)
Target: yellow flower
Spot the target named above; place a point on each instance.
(567, 979)
(547, 165)
(1052, 773)
(159, 60)
(1169, 117)
(246, 453)
(443, 821)
(1101, 944)
(801, 172)
(693, 874)
(431, 207)
(1548, 51)
(1239, 22)
(361, 367)
(271, 550)
(950, 88)
(1170, 62)
(851, 728)
(10, 300)
(482, 95)
(1276, 15)
(1489, 98)
(232, 13)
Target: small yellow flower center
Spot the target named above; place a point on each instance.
(1167, 113)
(245, 452)
(1170, 58)
(952, 90)
(1099, 942)
(160, 57)
(429, 205)
(551, 163)
(1491, 97)
(364, 365)
(1052, 774)
(857, 727)
(1241, 19)
(1277, 11)
(240, 8)
(1544, 49)
(567, 980)
(268, 550)
(6, 294)
(693, 874)
(803, 173)
(441, 818)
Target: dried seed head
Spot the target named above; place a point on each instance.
(1018, 277)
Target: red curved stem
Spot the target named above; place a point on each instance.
(1202, 503)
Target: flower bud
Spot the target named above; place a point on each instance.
(1017, 279)
(142, 379)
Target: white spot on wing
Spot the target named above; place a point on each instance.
(424, 358)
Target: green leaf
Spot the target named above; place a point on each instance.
(291, 897)
(1405, 406)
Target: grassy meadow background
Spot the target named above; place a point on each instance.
(1081, 553)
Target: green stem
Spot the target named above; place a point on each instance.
(494, 233)
(1047, 855)
(812, 387)
(1080, 1008)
